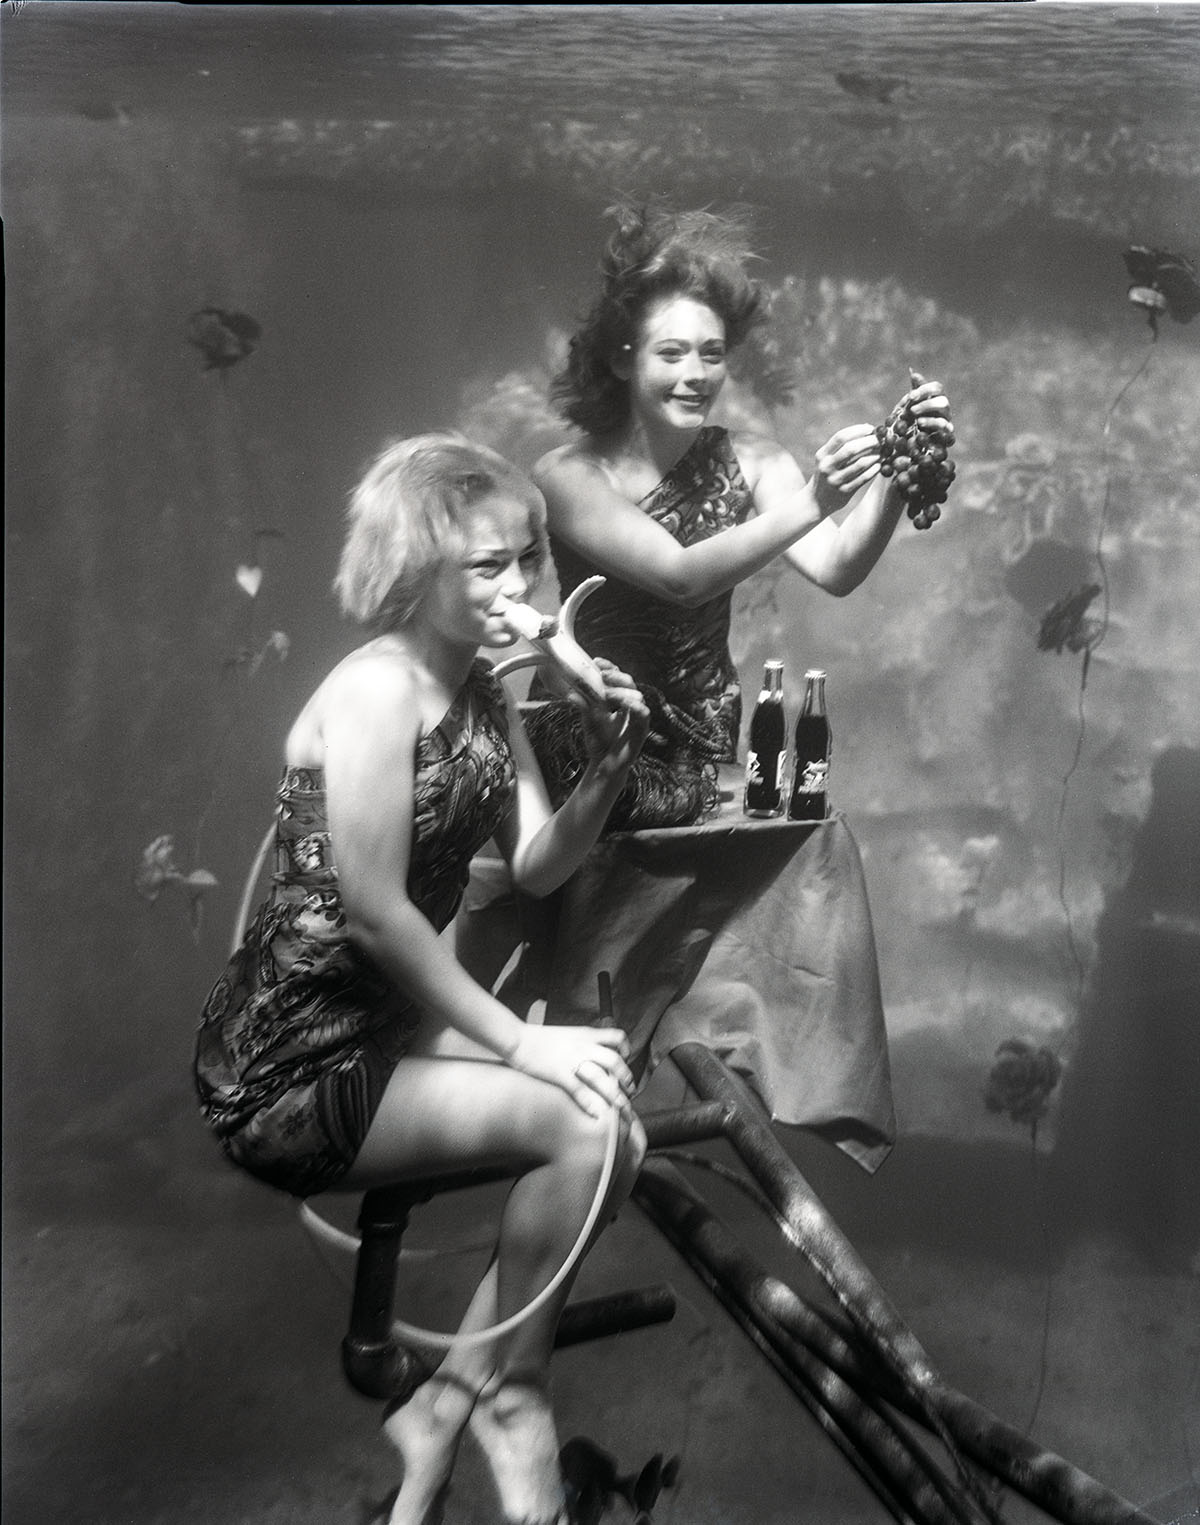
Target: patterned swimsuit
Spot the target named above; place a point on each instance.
(299, 1036)
(679, 657)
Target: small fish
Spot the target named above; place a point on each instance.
(104, 111)
(222, 337)
(1162, 282)
(1064, 623)
(157, 871)
(1022, 1080)
(871, 87)
(249, 579)
(244, 660)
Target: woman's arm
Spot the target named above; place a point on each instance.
(589, 514)
(544, 848)
(838, 556)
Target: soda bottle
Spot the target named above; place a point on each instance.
(767, 750)
(814, 742)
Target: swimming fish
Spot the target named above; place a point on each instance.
(1162, 282)
(871, 87)
(1064, 623)
(104, 111)
(278, 643)
(158, 871)
(223, 337)
(1022, 1080)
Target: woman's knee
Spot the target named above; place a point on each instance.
(630, 1146)
(573, 1138)
(575, 1135)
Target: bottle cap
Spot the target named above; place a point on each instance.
(815, 672)
(773, 662)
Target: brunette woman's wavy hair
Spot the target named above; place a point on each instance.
(654, 252)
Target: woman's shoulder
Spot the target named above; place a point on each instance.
(383, 660)
(368, 682)
(579, 477)
(377, 676)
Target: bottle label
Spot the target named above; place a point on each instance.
(754, 771)
(764, 793)
(815, 778)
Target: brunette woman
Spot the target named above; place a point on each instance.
(676, 511)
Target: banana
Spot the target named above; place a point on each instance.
(554, 642)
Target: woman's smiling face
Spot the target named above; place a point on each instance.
(678, 365)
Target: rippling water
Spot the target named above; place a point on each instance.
(1080, 63)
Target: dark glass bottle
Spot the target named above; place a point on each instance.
(813, 744)
(767, 747)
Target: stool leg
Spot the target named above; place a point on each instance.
(374, 1362)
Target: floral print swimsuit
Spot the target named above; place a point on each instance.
(679, 657)
(299, 1036)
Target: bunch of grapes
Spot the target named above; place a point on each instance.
(916, 451)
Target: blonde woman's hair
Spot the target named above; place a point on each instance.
(409, 515)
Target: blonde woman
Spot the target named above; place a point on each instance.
(344, 1047)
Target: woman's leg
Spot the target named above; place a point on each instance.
(514, 1420)
(444, 1113)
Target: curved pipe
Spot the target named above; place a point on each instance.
(241, 922)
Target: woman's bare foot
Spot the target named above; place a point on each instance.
(514, 1425)
(426, 1431)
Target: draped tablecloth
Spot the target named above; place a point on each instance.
(751, 937)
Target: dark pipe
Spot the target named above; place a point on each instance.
(686, 1125)
(904, 1478)
(1055, 1485)
(593, 1318)
(1047, 1480)
(820, 1240)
